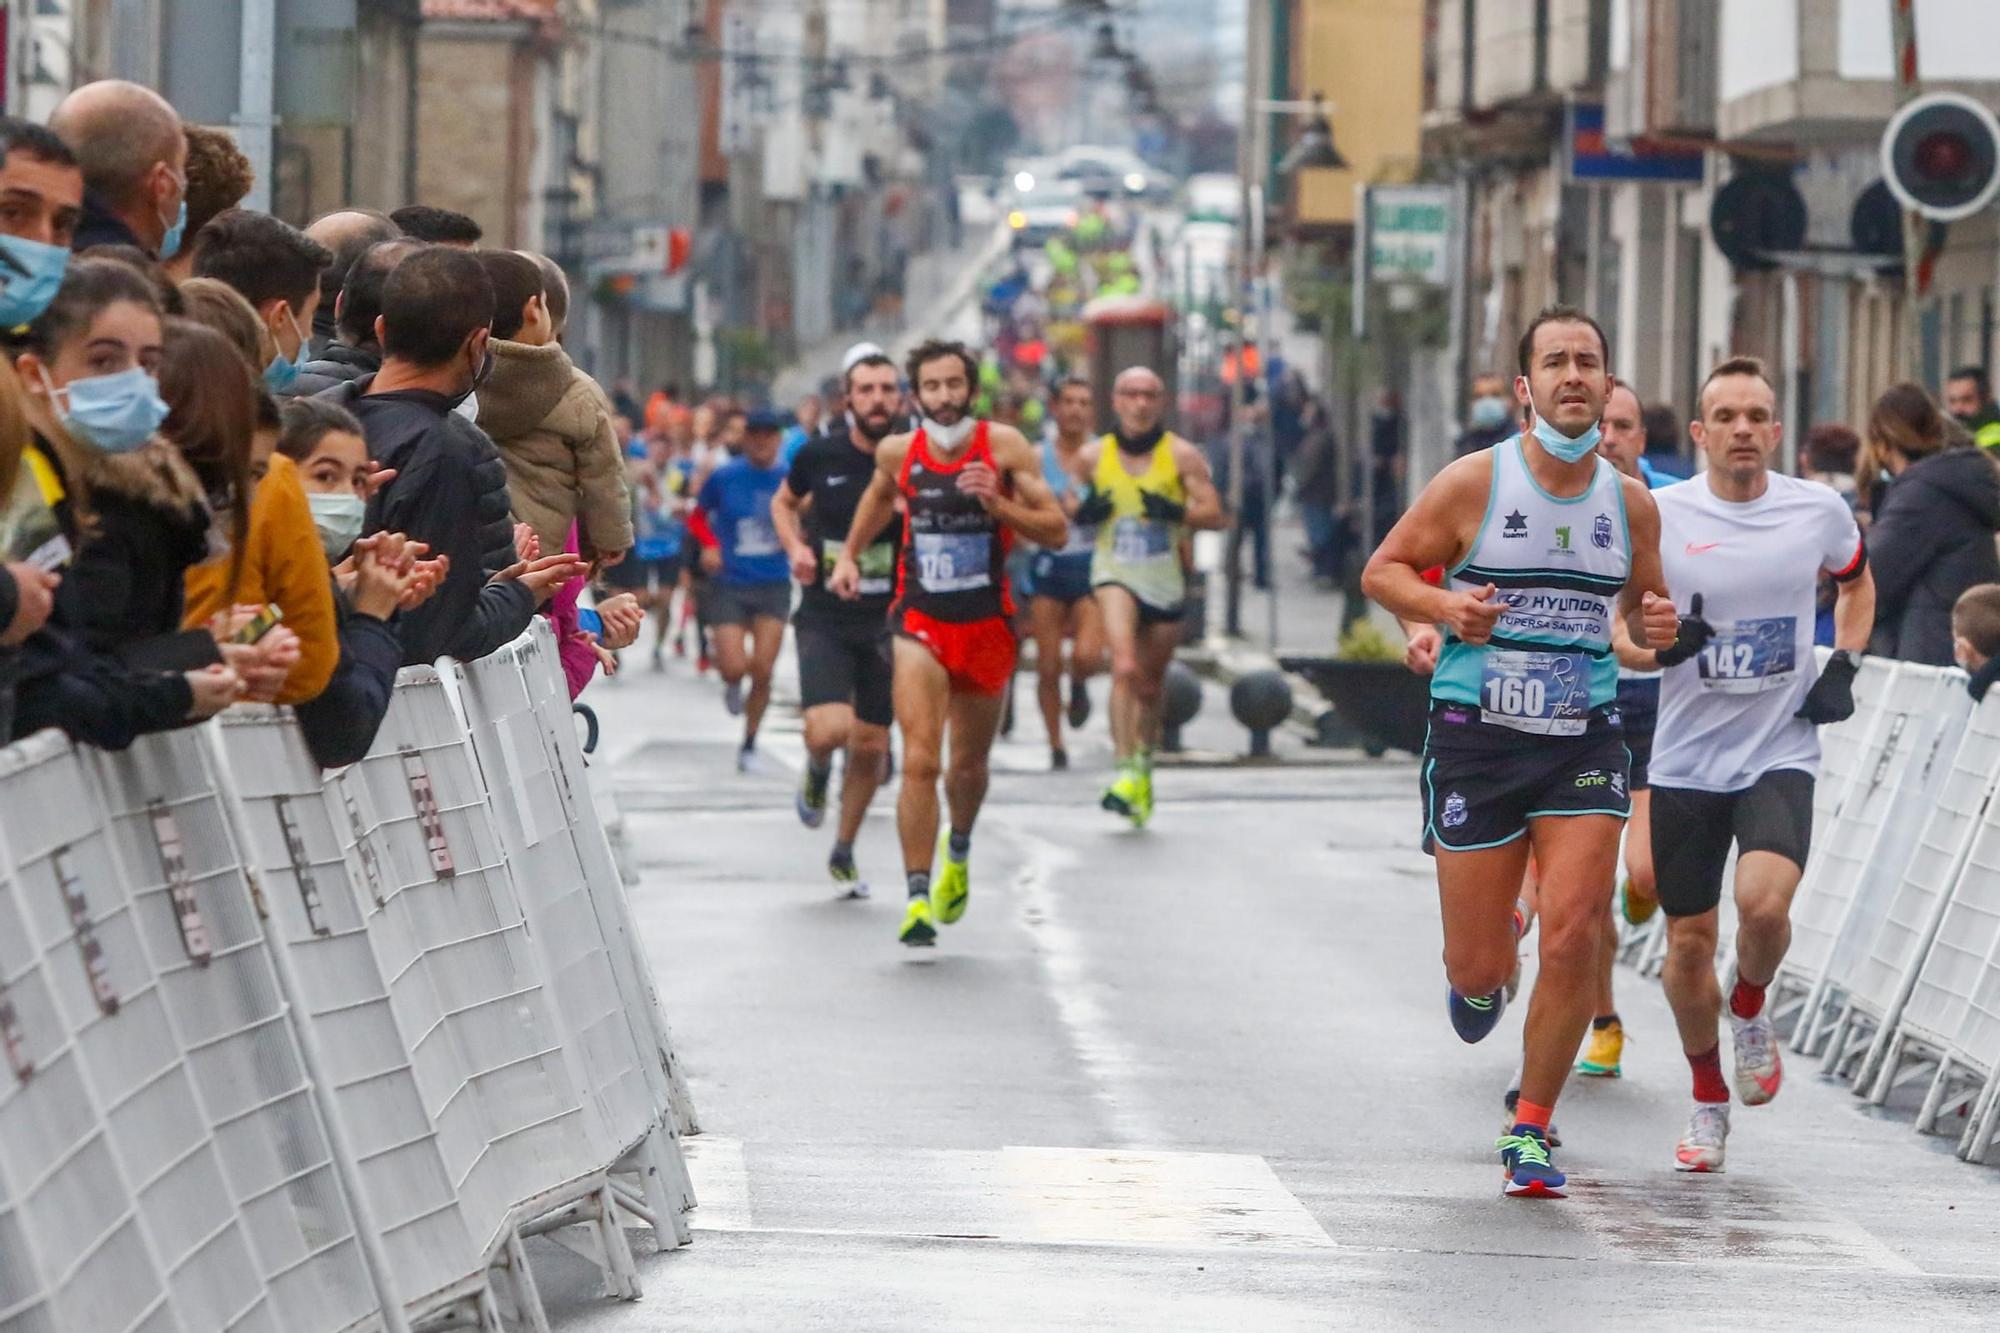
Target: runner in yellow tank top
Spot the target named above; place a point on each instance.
(1148, 488)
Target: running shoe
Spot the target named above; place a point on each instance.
(659, 662)
(1759, 1070)
(746, 760)
(1637, 908)
(1510, 1116)
(1526, 1168)
(1603, 1052)
(917, 929)
(732, 698)
(811, 799)
(846, 877)
(1143, 814)
(1079, 703)
(1058, 759)
(1122, 796)
(1701, 1148)
(952, 886)
(1473, 1016)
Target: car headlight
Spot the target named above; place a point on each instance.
(1024, 181)
(1017, 219)
(1135, 182)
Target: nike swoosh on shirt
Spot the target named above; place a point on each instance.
(836, 481)
(1697, 548)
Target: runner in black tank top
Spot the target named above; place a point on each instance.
(846, 663)
(969, 488)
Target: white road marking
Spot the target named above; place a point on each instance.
(721, 1182)
(1106, 1059)
(1182, 1199)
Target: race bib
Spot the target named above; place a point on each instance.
(1750, 656)
(878, 566)
(953, 561)
(1544, 694)
(1082, 539)
(756, 536)
(1138, 541)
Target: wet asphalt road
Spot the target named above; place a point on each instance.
(1199, 1077)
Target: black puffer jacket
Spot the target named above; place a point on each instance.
(338, 364)
(1932, 539)
(450, 491)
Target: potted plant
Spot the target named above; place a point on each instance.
(1380, 701)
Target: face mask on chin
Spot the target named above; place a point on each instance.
(1561, 446)
(957, 432)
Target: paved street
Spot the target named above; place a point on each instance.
(1198, 1077)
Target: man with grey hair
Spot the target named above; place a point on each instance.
(1148, 489)
(134, 157)
(347, 233)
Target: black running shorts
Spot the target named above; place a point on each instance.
(1481, 784)
(744, 603)
(849, 663)
(1639, 710)
(1693, 830)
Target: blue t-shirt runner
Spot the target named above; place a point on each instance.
(737, 500)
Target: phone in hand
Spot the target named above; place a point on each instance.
(260, 624)
(589, 621)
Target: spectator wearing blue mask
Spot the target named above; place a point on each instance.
(134, 155)
(1491, 415)
(276, 267)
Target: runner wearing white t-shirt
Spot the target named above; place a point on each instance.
(1737, 747)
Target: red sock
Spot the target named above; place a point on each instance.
(1708, 1084)
(1533, 1116)
(1746, 1000)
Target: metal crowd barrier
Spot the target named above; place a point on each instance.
(1893, 975)
(305, 1052)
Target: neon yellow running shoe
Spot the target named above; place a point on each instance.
(1122, 797)
(1637, 908)
(952, 886)
(917, 928)
(1142, 811)
(1602, 1053)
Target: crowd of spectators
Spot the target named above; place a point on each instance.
(244, 462)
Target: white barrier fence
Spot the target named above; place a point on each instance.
(1893, 974)
(299, 1052)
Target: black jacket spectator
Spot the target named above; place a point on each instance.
(340, 725)
(93, 695)
(450, 491)
(125, 591)
(1932, 539)
(338, 364)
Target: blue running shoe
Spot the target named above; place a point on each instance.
(1473, 1016)
(1526, 1169)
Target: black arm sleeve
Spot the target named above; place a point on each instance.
(466, 618)
(340, 724)
(93, 697)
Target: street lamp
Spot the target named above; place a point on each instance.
(1314, 148)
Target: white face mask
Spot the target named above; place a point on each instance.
(337, 515)
(950, 436)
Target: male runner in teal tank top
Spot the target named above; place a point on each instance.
(1543, 544)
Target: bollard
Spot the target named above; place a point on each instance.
(1182, 701)
(1261, 700)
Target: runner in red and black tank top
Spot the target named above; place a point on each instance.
(954, 558)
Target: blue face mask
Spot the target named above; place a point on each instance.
(115, 414)
(170, 244)
(281, 374)
(1562, 446)
(30, 273)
